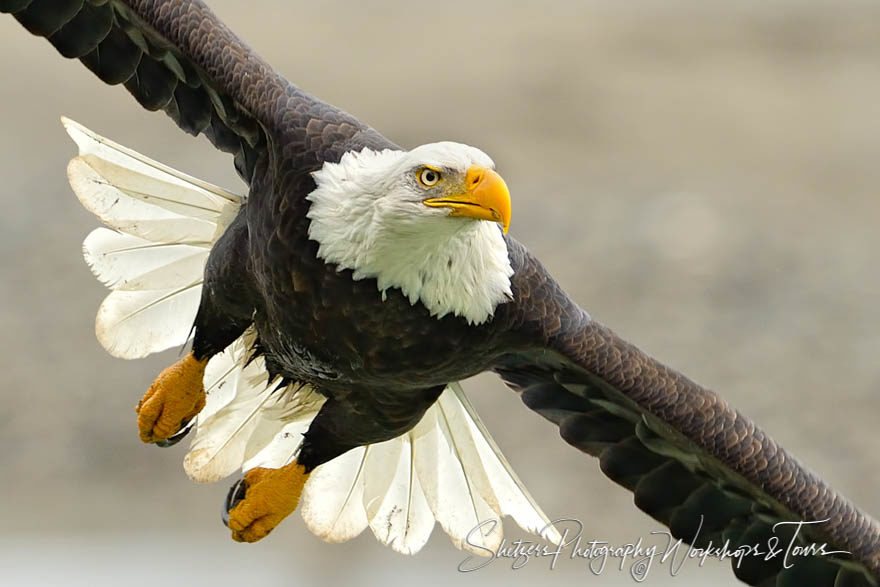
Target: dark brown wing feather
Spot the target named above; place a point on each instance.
(692, 461)
(176, 56)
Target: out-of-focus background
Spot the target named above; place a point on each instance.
(702, 176)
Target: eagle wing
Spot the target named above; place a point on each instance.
(177, 56)
(692, 461)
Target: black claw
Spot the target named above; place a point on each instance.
(233, 498)
(172, 440)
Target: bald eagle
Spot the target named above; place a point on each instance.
(334, 309)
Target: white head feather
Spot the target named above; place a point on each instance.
(367, 215)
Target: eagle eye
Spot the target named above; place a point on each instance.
(428, 177)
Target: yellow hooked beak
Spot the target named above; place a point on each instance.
(486, 198)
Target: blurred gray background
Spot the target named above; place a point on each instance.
(703, 177)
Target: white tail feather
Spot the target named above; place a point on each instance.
(125, 262)
(449, 483)
(134, 324)
(220, 445)
(511, 495)
(91, 143)
(447, 469)
(253, 414)
(282, 450)
(333, 498)
(399, 514)
(166, 223)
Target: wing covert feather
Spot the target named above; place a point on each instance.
(177, 56)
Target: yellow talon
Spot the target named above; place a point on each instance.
(176, 397)
(270, 496)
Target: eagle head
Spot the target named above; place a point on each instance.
(429, 221)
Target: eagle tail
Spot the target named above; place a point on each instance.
(243, 414)
(161, 226)
(447, 469)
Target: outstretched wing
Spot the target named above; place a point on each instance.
(691, 460)
(176, 56)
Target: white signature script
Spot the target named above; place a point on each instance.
(637, 558)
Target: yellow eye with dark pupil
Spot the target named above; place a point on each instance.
(429, 177)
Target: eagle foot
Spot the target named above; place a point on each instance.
(257, 504)
(175, 398)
